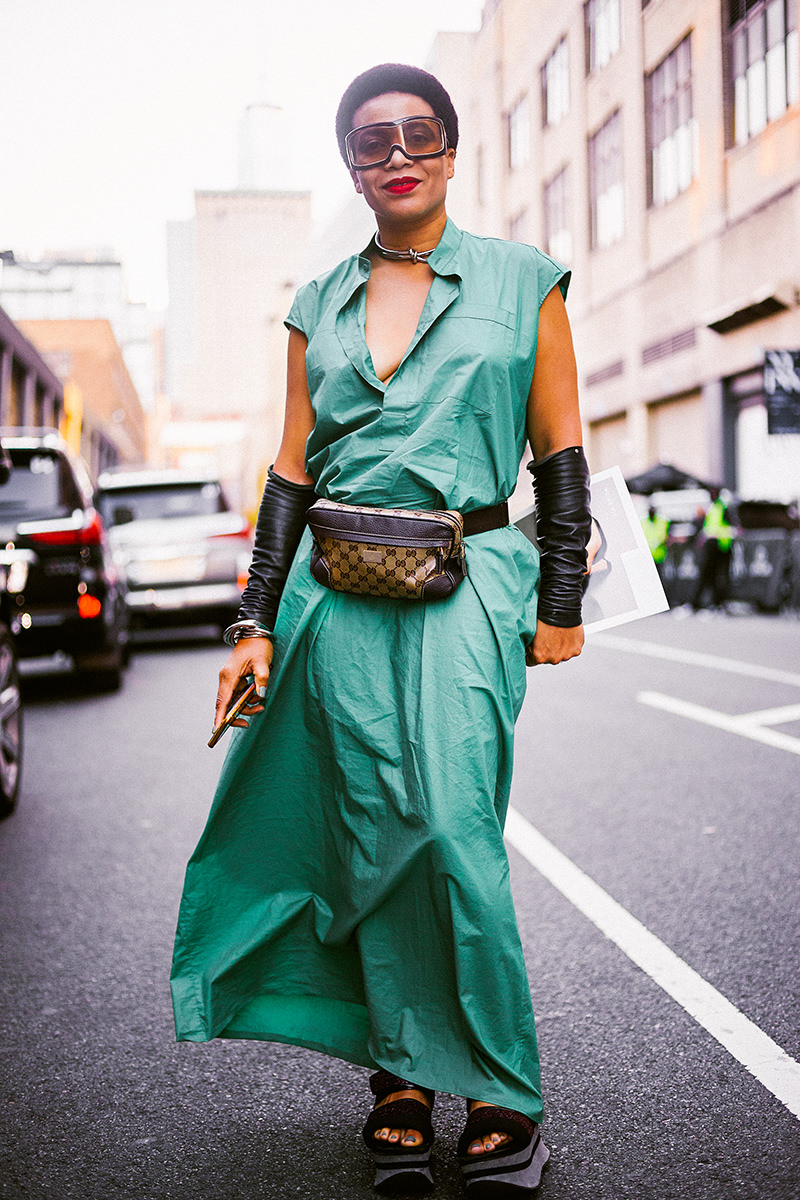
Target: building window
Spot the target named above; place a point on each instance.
(557, 232)
(763, 64)
(605, 183)
(603, 32)
(670, 126)
(555, 85)
(518, 227)
(519, 134)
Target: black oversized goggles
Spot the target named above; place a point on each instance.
(374, 145)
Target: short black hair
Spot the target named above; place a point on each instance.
(395, 77)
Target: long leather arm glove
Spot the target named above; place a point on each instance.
(279, 528)
(563, 525)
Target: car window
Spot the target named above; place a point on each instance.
(167, 500)
(40, 485)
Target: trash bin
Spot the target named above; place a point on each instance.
(794, 553)
(761, 568)
(679, 573)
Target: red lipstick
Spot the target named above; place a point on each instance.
(402, 186)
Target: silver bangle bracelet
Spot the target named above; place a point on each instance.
(245, 629)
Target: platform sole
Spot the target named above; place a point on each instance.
(403, 1174)
(510, 1177)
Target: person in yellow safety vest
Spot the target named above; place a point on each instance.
(714, 551)
(656, 529)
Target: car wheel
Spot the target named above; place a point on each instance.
(125, 634)
(10, 725)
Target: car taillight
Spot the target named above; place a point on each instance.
(67, 533)
(236, 531)
(89, 606)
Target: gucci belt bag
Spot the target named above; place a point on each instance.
(407, 554)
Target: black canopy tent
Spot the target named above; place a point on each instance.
(663, 477)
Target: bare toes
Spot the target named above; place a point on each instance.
(490, 1143)
(408, 1137)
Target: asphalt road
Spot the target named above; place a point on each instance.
(691, 827)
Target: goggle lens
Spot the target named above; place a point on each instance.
(417, 137)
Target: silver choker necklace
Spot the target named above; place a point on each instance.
(409, 255)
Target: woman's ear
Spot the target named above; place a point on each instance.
(354, 175)
(451, 163)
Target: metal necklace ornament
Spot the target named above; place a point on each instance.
(409, 255)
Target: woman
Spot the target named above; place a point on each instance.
(350, 892)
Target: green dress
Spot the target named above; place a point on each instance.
(350, 892)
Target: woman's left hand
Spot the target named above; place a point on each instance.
(551, 644)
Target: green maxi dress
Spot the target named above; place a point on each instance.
(350, 892)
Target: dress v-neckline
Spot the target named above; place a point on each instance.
(362, 322)
(351, 324)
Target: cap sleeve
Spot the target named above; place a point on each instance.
(550, 274)
(301, 314)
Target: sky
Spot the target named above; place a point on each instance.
(113, 114)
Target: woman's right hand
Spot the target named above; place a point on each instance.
(250, 656)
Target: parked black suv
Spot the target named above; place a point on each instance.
(65, 591)
(10, 694)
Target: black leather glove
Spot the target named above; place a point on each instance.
(279, 528)
(563, 525)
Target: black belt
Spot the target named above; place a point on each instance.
(481, 520)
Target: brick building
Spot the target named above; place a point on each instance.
(86, 286)
(30, 391)
(101, 416)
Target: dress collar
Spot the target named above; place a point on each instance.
(445, 258)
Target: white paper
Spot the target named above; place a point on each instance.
(624, 583)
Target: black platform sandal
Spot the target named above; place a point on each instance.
(511, 1171)
(400, 1168)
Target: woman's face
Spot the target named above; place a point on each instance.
(403, 189)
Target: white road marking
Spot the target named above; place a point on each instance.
(772, 716)
(748, 725)
(694, 658)
(748, 1044)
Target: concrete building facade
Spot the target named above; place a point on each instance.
(654, 147)
(232, 272)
